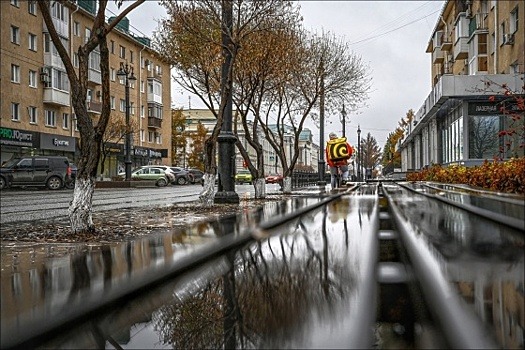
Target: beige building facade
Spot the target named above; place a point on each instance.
(477, 52)
(37, 114)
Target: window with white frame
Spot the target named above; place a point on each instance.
(15, 111)
(130, 56)
(75, 59)
(142, 109)
(151, 136)
(158, 138)
(15, 3)
(132, 108)
(112, 47)
(15, 35)
(31, 7)
(142, 137)
(32, 41)
(122, 105)
(503, 32)
(122, 52)
(87, 34)
(142, 86)
(32, 78)
(493, 43)
(50, 118)
(76, 28)
(15, 73)
(65, 120)
(513, 24)
(59, 80)
(75, 122)
(60, 12)
(112, 74)
(33, 117)
(112, 102)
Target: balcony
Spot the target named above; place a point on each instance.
(54, 61)
(478, 22)
(461, 49)
(61, 27)
(154, 122)
(446, 43)
(437, 55)
(94, 76)
(94, 106)
(154, 98)
(56, 97)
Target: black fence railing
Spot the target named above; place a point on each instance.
(306, 178)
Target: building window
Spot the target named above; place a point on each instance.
(112, 47)
(15, 73)
(142, 86)
(76, 28)
(122, 105)
(142, 115)
(65, 121)
(15, 35)
(158, 138)
(122, 52)
(31, 7)
(112, 102)
(32, 79)
(15, 111)
(130, 56)
(142, 135)
(132, 108)
(32, 42)
(75, 122)
(112, 74)
(151, 136)
(503, 32)
(513, 21)
(87, 35)
(50, 118)
(75, 59)
(15, 3)
(33, 118)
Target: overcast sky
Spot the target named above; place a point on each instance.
(390, 36)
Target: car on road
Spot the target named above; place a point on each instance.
(46, 171)
(274, 179)
(150, 173)
(196, 176)
(182, 177)
(243, 176)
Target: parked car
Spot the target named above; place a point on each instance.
(196, 176)
(157, 174)
(49, 171)
(243, 176)
(274, 179)
(182, 177)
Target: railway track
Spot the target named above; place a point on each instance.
(385, 265)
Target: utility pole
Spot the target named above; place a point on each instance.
(321, 164)
(343, 114)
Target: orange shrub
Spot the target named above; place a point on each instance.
(499, 176)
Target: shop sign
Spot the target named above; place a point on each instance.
(141, 152)
(15, 137)
(115, 148)
(147, 152)
(57, 142)
(154, 154)
(490, 108)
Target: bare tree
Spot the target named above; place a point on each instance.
(91, 134)
(370, 152)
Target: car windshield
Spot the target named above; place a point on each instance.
(10, 163)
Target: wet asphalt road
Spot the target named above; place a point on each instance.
(18, 205)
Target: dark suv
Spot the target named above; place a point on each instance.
(49, 171)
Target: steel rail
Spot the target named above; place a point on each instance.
(461, 327)
(40, 330)
(484, 213)
(500, 197)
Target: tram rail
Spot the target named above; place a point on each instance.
(399, 261)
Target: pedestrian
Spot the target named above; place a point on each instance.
(338, 151)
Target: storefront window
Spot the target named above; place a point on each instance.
(483, 137)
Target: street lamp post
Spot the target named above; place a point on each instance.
(126, 72)
(343, 114)
(358, 153)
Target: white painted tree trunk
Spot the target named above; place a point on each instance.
(260, 188)
(287, 185)
(207, 194)
(81, 206)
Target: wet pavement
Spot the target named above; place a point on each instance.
(300, 284)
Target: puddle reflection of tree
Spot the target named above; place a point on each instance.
(265, 297)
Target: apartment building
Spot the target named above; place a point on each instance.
(477, 47)
(37, 114)
(308, 155)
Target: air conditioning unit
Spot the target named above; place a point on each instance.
(508, 39)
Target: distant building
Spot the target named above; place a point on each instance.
(38, 116)
(474, 44)
(308, 152)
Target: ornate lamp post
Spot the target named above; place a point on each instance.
(126, 72)
(358, 153)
